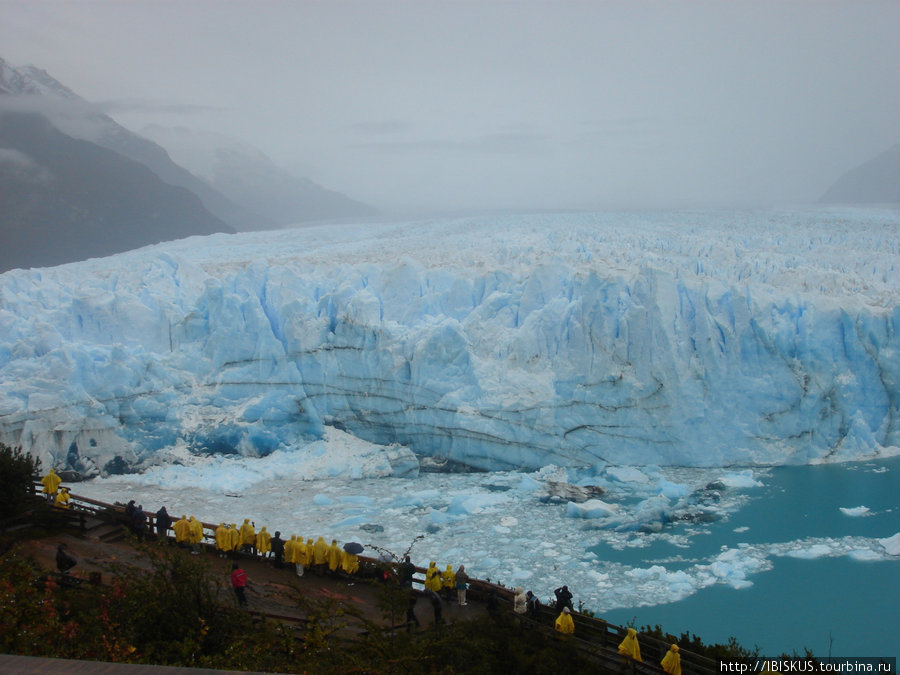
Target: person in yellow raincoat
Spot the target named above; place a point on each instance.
(564, 623)
(182, 528)
(62, 498)
(349, 562)
(334, 556)
(671, 662)
(234, 538)
(289, 549)
(263, 542)
(320, 555)
(248, 536)
(433, 577)
(195, 535)
(222, 540)
(302, 555)
(51, 484)
(629, 646)
(448, 581)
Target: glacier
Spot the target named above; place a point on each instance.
(500, 342)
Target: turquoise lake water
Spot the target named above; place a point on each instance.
(838, 606)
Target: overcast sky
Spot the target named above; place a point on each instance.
(475, 105)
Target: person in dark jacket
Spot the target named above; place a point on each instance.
(532, 605)
(277, 544)
(437, 605)
(407, 570)
(138, 522)
(163, 523)
(64, 562)
(563, 598)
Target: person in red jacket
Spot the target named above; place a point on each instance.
(239, 583)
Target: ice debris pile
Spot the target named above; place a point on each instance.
(691, 338)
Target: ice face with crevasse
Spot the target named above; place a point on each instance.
(513, 342)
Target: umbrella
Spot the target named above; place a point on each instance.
(353, 547)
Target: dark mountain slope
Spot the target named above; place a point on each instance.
(875, 182)
(63, 199)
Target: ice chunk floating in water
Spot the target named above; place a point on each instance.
(701, 339)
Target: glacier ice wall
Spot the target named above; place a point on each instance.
(705, 338)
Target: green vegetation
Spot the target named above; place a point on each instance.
(178, 613)
(18, 471)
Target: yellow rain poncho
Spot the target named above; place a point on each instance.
(349, 562)
(334, 556)
(234, 538)
(263, 542)
(304, 552)
(196, 531)
(62, 498)
(564, 623)
(182, 528)
(248, 534)
(448, 578)
(629, 646)
(433, 577)
(222, 538)
(51, 482)
(671, 662)
(320, 552)
(290, 549)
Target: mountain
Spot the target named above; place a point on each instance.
(875, 182)
(235, 182)
(64, 199)
(247, 176)
(33, 89)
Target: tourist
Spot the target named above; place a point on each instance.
(138, 522)
(448, 581)
(520, 602)
(437, 605)
(182, 529)
(563, 598)
(64, 562)
(629, 646)
(223, 540)
(163, 523)
(195, 535)
(533, 605)
(320, 555)
(564, 624)
(405, 574)
(51, 484)
(248, 537)
(462, 583)
(671, 662)
(334, 557)
(62, 498)
(277, 544)
(433, 577)
(239, 583)
(263, 542)
(411, 617)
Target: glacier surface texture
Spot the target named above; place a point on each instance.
(505, 342)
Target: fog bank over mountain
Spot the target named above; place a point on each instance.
(874, 182)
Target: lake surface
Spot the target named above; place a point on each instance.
(838, 606)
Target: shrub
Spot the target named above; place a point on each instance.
(18, 471)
